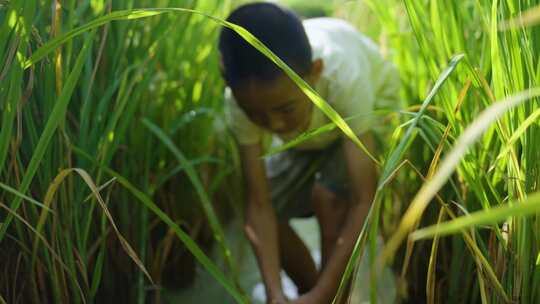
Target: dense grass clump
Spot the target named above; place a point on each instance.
(489, 177)
(107, 102)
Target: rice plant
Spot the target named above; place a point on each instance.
(494, 260)
(132, 216)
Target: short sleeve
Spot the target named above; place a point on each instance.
(388, 93)
(358, 80)
(245, 131)
(353, 97)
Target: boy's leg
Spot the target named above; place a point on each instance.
(296, 258)
(331, 212)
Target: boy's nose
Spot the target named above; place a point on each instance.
(276, 124)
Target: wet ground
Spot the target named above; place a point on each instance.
(207, 290)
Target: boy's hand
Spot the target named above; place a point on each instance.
(278, 300)
(308, 298)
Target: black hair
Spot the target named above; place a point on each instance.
(278, 28)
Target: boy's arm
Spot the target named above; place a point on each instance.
(362, 182)
(260, 222)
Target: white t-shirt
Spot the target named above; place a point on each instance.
(355, 81)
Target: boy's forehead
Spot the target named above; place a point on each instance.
(254, 92)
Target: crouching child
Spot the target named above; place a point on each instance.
(327, 176)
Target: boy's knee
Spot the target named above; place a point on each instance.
(327, 202)
(330, 235)
(248, 229)
(321, 196)
(331, 210)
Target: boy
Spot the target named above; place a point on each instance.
(328, 175)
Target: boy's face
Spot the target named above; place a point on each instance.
(278, 106)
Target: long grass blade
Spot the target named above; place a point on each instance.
(530, 17)
(530, 206)
(25, 197)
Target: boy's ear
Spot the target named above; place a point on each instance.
(221, 65)
(317, 68)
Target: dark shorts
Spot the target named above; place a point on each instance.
(293, 173)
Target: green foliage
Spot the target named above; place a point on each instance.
(310, 9)
(73, 78)
(481, 168)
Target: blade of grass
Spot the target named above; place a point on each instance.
(25, 197)
(432, 265)
(529, 206)
(314, 133)
(528, 18)
(9, 113)
(519, 132)
(54, 43)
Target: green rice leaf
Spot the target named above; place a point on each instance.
(529, 206)
(9, 112)
(533, 118)
(25, 197)
(530, 17)
(314, 133)
(301, 138)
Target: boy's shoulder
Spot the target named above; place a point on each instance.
(328, 23)
(337, 40)
(337, 31)
(354, 69)
(350, 58)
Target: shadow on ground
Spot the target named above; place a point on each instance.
(206, 289)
